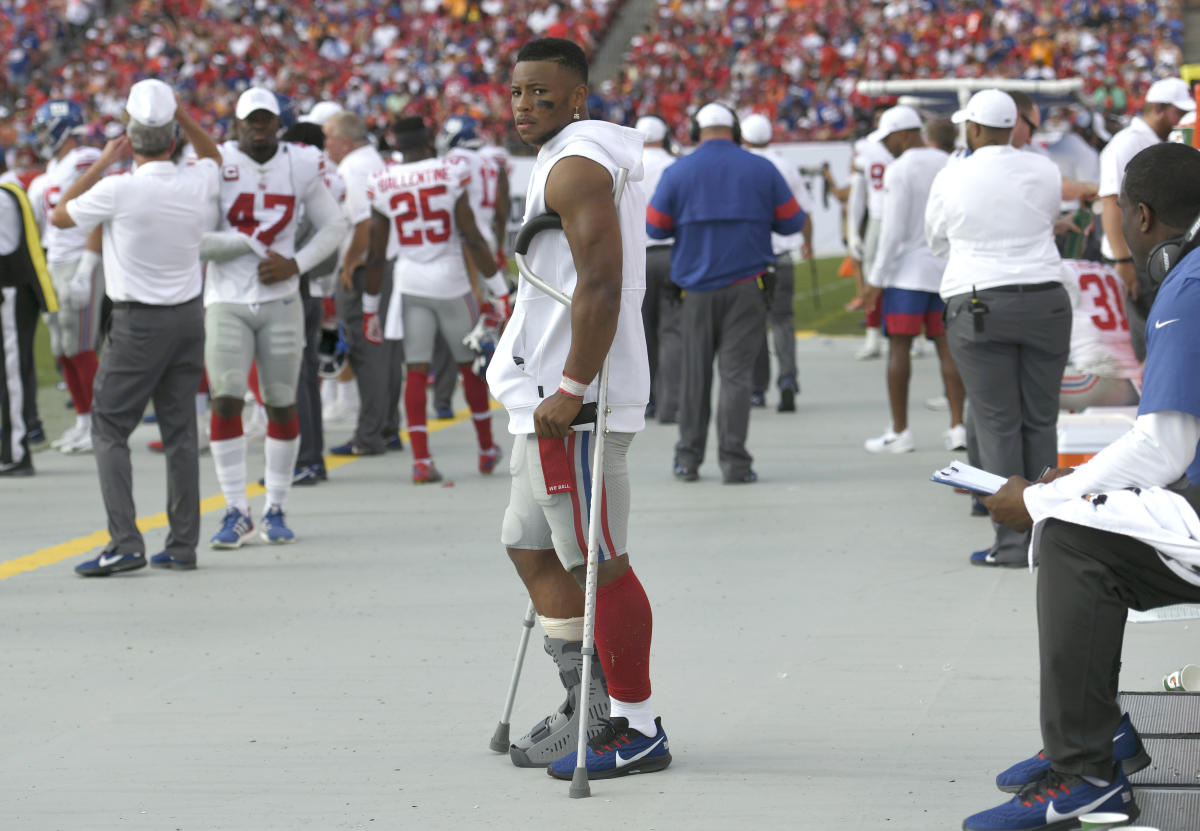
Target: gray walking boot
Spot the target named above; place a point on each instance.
(557, 735)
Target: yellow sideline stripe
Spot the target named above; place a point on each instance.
(73, 548)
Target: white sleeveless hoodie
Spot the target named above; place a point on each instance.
(528, 363)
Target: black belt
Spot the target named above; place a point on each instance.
(1022, 288)
(133, 304)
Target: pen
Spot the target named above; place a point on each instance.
(1045, 470)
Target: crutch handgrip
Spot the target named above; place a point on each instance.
(545, 222)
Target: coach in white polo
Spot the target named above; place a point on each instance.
(1167, 101)
(1008, 317)
(153, 218)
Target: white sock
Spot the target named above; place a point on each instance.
(281, 462)
(564, 629)
(639, 713)
(329, 390)
(229, 457)
(348, 393)
(201, 403)
(84, 422)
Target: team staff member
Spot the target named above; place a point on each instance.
(1126, 546)
(153, 220)
(721, 203)
(660, 307)
(599, 259)
(1166, 102)
(22, 268)
(378, 366)
(1008, 317)
(781, 313)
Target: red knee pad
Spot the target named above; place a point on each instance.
(222, 427)
(624, 625)
(284, 430)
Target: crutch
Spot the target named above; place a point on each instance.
(579, 781)
(499, 742)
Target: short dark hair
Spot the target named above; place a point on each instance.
(1166, 177)
(942, 133)
(305, 132)
(1023, 101)
(559, 50)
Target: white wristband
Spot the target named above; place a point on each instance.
(370, 303)
(572, 387)
(497, 285)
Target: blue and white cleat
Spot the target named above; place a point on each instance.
(236, 528)
(619, 750)
(1056, 801)
(1127, 750)
(274, 527)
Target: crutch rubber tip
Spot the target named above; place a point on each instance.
(579, 784)
(499, 742)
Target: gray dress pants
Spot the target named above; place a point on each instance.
(308, 391)
(378, 368)
(664, 341)
(781, 317)
(1087, 580)
(1012, 366)
(725, 324)
(151, 353)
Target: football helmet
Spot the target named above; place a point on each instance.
(55, 122)
(458, 131)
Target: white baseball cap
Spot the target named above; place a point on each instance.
(651, 127)
(715, 115)
(256, 98)
(896, 120)
(1173, 91)
(989, 108)
(756, 129)
(151, 102)
(321, 112)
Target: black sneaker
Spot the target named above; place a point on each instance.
(619, 750)
(110, 562)
(164, 560)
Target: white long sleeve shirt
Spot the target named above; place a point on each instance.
(903, 259)
(992, 216)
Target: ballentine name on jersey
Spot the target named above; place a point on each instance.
(396, 180)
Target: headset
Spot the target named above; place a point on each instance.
(1167, 254)
(694, 128)
(669, 143)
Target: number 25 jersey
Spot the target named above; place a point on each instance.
(260, 201)
(418, 198)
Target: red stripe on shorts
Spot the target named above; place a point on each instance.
(577, 516)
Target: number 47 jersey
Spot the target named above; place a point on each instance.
(418, 198)
(263, 201)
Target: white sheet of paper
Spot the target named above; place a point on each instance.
(963, 475)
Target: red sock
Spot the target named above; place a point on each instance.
(414, 411)
(284, 430)
(875, 314)
(624, 624)
(85, 369)
(476, 393)
(220, 428)
(252, 379)
(71, 377)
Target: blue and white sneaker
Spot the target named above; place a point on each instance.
(1127, 749)
(163, 559)
(274, 527)
(236, 528)
(110, 562)
(1056, 800)
(618, 750)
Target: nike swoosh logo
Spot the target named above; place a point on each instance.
(1053, 816)
(1158, 324)
(105, 561)
(1118, 737)
(622, 761)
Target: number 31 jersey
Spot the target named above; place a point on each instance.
(1099, 330)
(261, 201)
(418, 198)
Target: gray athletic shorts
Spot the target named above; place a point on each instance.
(424, 317)
(538, 521)
(270, 334)
(73, 329)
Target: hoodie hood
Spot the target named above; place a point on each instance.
(623, 144)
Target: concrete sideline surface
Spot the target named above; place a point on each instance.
(824, 656)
